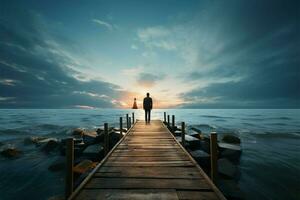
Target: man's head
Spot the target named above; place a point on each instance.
(148, 94)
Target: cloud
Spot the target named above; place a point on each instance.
(148, 80)
(103, 23)
(235, 56)
(252, 64)
(38, 71)
(156, 37)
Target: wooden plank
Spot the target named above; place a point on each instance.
(135, 183)
(146, 159)
(196, 195)
(146, 164)
(152, 172)
(114, 194)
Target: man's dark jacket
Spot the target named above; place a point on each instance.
(147, 103)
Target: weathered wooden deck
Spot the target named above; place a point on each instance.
(148, 163)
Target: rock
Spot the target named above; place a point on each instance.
(78, 132)
(193, 142)
(84, 166)
(230, 189)
(99, 131)
(231, 139)
(33, 140)
(196, 130)
(93, 152)
(51, 145)
(201, 157)
(177, 133)
(58, 165)
(226, 168)
(230, 151)
(11, 152)
(113, 139)
(89, 137)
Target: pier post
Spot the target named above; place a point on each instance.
(173, 123)
(121, 127)
(168, 120)
(183, 134)
(106, 139)
(133, 118)
(69, 167)
(165, 117)
(213, 156)
(127, 121)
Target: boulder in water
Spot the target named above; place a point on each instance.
(230, 189)
(201, 157)
(93, 152)
(33, 140)
(226, 168)
(78, 132)
(231, 139)
(51, 145)
(84, 166)
(230, 151)
(11, 152)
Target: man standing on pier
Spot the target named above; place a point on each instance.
(147, 105)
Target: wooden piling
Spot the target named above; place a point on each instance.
(133, 118)
(121, 127)
(106, 139)
(168, 120)
(183, 134)
(69, 167)
(173, 123)
(165, 117)
(127, 121)
(213, 156)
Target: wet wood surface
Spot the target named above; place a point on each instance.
(148, 164)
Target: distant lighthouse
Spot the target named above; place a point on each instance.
(134, 104)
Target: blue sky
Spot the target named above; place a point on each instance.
(187, 54)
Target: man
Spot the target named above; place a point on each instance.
(147, 105)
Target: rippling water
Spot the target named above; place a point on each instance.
(270, 162)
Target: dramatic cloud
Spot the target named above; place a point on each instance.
(236, 54)
(148, 80)
(37, 72)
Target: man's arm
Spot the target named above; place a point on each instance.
(144, 104)
(150, 103)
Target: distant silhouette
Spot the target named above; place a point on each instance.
(147, 105)
(134, 104)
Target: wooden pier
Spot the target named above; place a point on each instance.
(147, 163)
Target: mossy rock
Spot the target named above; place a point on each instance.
(231, 139)
(11, 153)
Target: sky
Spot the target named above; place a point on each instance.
(187, 54)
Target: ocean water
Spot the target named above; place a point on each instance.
(269, 166)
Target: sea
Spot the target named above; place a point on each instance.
(270, 140)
